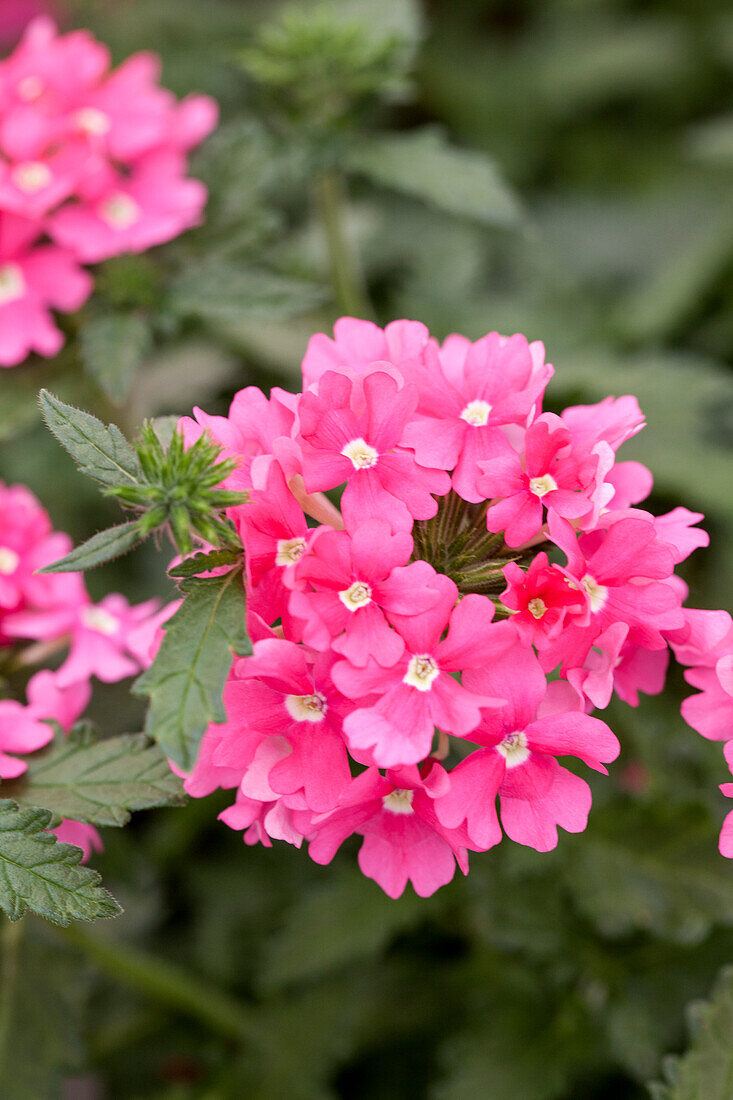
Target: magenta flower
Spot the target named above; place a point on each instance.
(24, 728)
(34, 278)
(467, 392)
(355, 581)
(383, 699)
(536, 793)
(420, 692)
(351, 430)
(403, 839)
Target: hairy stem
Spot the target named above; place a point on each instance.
(347, 283)
(170, 985)
(10, 940)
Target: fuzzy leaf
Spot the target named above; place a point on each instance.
(423, 164)
(40, 874)
(113, 347)
(102, 547)
(220, 292)
(100, 451)
(186, 680)
(99, 782)
(705, 1072)
(204, 563)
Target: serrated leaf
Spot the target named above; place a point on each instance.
(705, 1072)
(423, 164)
(672, 895)
(221, 292)
(186, 680)
(102, 547)
(100, 451)
(98, 782)
(204, 563)
(41, 874)
(113, 348)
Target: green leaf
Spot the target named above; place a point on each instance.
(100, 451)
(204, 563)
(99, 782)
(113, 347)
(41, 874)
(424, 165)
(186, 680)
(102, 547)
(222, 292)
(671, 893)
(705, 1072)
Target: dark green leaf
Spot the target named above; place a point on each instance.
(99, 782)
(40, 874)
(204, 563)
(423, 164)
(102, 547)
(705, 1072)
(186, 680)
(222, 292)
(100, 451)
(113, 347)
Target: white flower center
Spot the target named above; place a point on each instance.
(289, 551)
(9, 561)
(92, 121)
(306, 708)
(399, 802)
(32, 176)
(119, 211)
(597, 593)
(30, 88)
(514, 748)
(541, 485)
(537, 607)
(362, 455)
(99, 619)
(421, 672)
(358, 595)
(477, 413)
(12, 283)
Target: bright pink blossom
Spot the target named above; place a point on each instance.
(24, 729)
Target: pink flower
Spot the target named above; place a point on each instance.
(619, 569)
(357, 580)
(541, 597)
(547, 475)
(130, 214)
(419, 692)
(24, 729)
(404, 841)
(283, 703)
(468, 391)
(33, 280)
(536, 793)
(357, 345)
(80, 835)
(726, 833)
(351, 430)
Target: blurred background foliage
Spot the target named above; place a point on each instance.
(558, 168)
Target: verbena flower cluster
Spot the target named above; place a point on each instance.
(45, 614)
(440, 638)
(92, 164)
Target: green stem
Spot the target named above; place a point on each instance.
(10, 940)
(170, 985)
(347, 283)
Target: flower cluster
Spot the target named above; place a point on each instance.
(440, 638)
(92, 164)
(45, 614)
